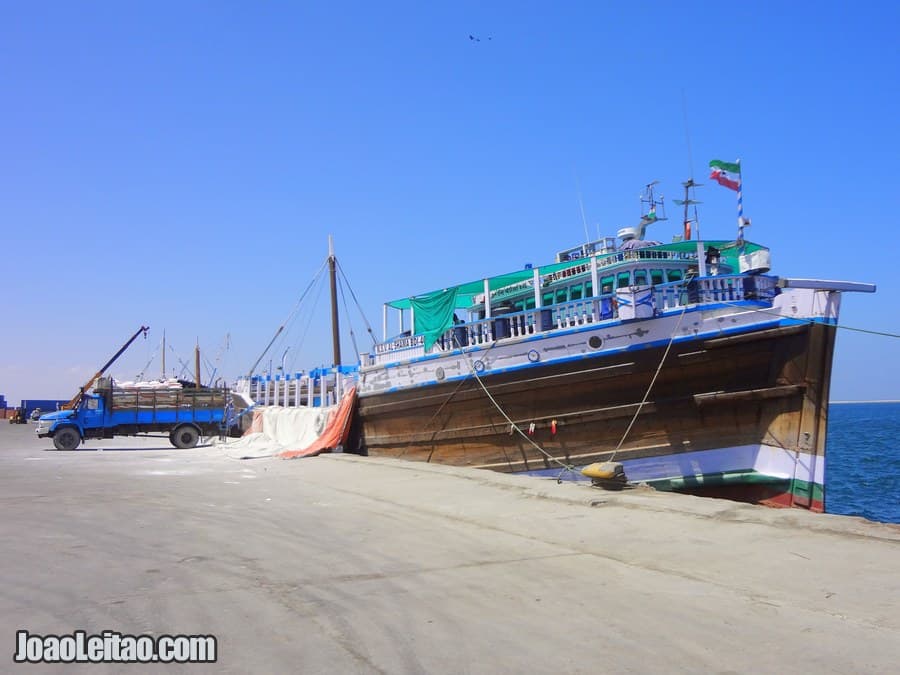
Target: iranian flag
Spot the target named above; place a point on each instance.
(726, 173)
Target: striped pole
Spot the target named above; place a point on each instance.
(740, 205)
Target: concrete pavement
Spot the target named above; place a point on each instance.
(340, 564)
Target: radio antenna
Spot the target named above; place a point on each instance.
(587, 237)
(687, 135)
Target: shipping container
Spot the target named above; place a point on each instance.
(46, 405)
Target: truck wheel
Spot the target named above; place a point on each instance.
(66, 438)
(185, 436)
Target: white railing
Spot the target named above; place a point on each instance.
(586, 311)
(297, 389)
(622, 257)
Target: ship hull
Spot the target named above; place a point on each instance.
(740, 415)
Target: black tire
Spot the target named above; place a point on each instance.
(185, 436)
(66, 438)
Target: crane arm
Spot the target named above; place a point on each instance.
(75, 399)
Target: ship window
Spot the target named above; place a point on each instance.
(606, 285)
(589, 289)
(547, 299)
(656, 277)
(529, 303)
(623, 279)
(576, 292)
(562, 295)
(640, 277)
(674, 275)
(519, 306)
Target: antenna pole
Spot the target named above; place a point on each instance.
(335, 332)
(740, 204)
(687, 134)
(587, 236)
(687, 202)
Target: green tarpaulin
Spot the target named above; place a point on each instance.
(433, 314)
(466, 292)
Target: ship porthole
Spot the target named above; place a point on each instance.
(439, 373)
(595, 342)
(533, 356)
(479, 366)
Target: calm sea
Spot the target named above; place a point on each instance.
(863, 461)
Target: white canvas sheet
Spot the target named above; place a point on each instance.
(282, 429)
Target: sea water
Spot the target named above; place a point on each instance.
(862, 466)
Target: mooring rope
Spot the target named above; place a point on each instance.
(513, 425)
(811, 321)
(650, 387)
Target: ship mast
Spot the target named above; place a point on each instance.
(652, 214)
(687, 202)
(335, 332)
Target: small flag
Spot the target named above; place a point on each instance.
(727, 174)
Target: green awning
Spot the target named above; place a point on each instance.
(465, 293)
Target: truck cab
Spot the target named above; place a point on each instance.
(91, 411)
(52, 423)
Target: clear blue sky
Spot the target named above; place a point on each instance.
(180, 164)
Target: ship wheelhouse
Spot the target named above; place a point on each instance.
(603, 286)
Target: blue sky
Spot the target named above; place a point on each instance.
(182, 164)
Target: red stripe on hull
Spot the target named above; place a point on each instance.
(766, 495)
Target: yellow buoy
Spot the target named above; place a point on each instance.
(604, 471)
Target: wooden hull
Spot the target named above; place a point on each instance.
(741, 416)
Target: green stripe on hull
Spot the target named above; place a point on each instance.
(715, 480)
(806, 490)
(798, 488)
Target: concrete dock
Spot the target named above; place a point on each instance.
(341, 564)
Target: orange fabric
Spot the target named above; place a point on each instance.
(337, 428)
(256, 426)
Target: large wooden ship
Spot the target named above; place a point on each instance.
(687, 362)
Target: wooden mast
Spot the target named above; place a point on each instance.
(197, 363)
(335, 332)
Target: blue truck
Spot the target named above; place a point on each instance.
(185, 414)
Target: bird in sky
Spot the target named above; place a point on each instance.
(474, 38)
